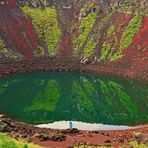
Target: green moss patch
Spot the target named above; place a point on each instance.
(130, 31)
(111, 30)
(3, 49)
(116, 56)
(90, 47)
(105, 50)
(107, 53)
(7, 142)
(114, 53)
(46, 24)
(86, 25)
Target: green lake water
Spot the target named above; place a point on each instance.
(40, 98)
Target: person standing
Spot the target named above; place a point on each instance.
(70, 125)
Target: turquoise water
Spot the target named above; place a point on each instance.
(40, 98)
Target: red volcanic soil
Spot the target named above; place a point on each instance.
(65, 48)
(123, 18)
(85, 137)
(11, 3)
(65, 138)
(17, 30)
(95, 138)
(32, 35)
(120, 20)
(137, 53)
(140, 41)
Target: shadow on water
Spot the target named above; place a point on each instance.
(40, 98)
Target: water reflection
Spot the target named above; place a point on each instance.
(49, 97)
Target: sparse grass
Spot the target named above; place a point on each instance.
(116, 56)
(7, 142)
(135, 144)
(90, 47)
(86, 24)
(130, 31)
(46, 24)
(105, 50)
(111, 30)
(86, 7)
(127, 38)
(135, 6)
(107, 53)
(3, 49)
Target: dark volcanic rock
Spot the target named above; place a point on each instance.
(57, 137)
(71, 131)
(43, 137)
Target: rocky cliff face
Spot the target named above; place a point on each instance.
(91, 30)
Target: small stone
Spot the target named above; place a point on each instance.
(90, 135)
(43, 137)
(57, 137)
(24, 136)
(108, 141)
(1, 115)
(70, 147)
(96, 132)
(36, 135)
(141, 138)
(71, 131)
(121, 140)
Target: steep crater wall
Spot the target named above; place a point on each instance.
(95, 36)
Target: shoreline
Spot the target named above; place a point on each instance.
(69, 137)
(45, 65)
(89, 126)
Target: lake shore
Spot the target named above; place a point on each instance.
(114, 69)
(69, 137)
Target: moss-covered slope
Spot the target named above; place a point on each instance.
(91, 31)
